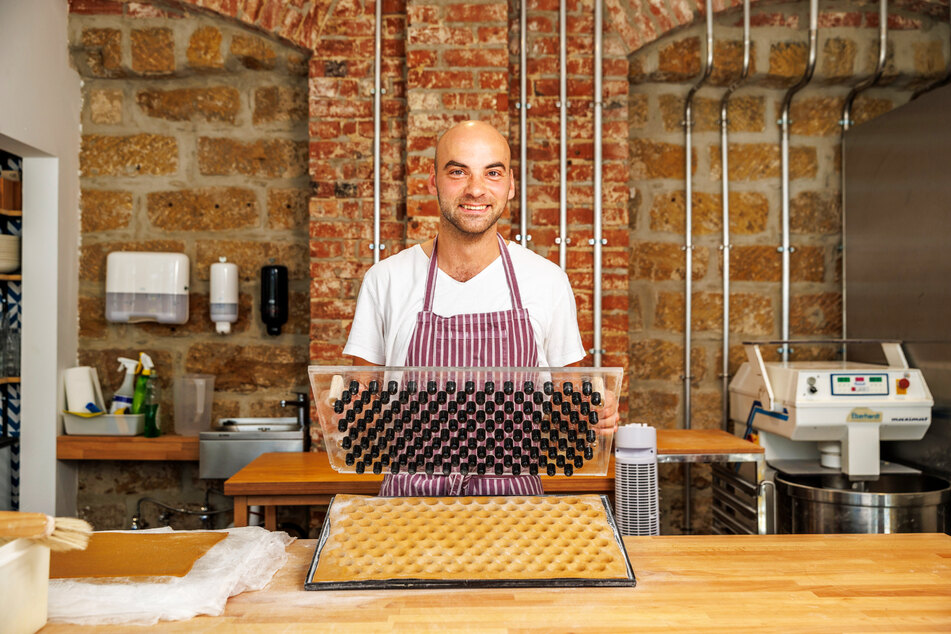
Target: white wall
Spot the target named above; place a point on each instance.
(40, 106)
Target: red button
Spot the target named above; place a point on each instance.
(903, 384)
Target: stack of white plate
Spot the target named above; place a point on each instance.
(9, 253)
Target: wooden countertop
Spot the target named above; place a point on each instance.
(684, 583)
(311, 474)
(670, 442)
(710, 442)
(166, 447)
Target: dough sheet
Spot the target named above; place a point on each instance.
(478, 538)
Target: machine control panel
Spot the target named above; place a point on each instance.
(872, 384)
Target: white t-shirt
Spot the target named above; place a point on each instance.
(393, 292)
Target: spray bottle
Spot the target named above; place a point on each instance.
(146, 397)
(122, 400)
(144, 370)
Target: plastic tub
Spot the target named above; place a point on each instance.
(469, 414)
(24, 578)
(104, 424)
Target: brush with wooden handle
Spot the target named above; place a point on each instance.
(59, 533)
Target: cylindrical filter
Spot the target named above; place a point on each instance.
(223, 298)
(274, 298)
(636, 497)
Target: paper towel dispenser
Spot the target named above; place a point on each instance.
(147, 286)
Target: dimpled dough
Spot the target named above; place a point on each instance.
(520, 538)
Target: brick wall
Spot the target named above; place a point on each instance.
(194, 141)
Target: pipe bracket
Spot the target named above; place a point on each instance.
(591, 241)
(558, 240)
(374, 246)
(528, 237)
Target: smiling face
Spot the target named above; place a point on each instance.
(471, 178)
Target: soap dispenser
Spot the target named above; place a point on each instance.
(223, 301)
(274, 298)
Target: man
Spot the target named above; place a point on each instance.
(467, 298)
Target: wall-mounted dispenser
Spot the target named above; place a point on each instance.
(274, 298)
(223, 300)
(147, 286)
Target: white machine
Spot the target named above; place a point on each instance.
(836, 412)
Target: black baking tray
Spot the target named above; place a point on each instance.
(413, 584)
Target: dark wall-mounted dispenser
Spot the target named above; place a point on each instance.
(274, 298)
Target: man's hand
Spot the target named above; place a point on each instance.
(608, 415)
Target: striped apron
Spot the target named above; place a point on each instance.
(500, 339)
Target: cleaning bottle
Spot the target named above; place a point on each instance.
(144, 370)
(152, 407)
(122, 400)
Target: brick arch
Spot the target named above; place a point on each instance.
(295, 21)
(640, 22)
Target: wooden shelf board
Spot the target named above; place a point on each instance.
(15, 213)
(11, 277)
(181, 448)
(9, 379)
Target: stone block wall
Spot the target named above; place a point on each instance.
(194, 141)
(661, 75)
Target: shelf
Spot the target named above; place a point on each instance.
(9, 379)
(180, 448)
(13, 213)
(11, 277)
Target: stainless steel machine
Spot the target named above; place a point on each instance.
(238, 441)
(822, 423)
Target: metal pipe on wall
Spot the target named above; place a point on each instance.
(847, 122)
(785, 248)
(688, 239)
(523, 236)
(597, 241)
(562, 239)
(725, 247)
(944, 81)
(377, 93)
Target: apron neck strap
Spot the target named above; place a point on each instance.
(514, 294)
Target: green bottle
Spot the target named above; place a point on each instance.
(144, 371)
(151, 409)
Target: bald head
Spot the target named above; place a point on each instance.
(471, 178)
(464, 134)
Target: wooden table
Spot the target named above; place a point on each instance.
(303, 479)
(736, 583)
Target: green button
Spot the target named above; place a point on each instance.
(843, 379)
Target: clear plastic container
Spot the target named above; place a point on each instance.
(194, 395)
(465, 420)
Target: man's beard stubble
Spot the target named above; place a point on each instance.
(448, 212)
